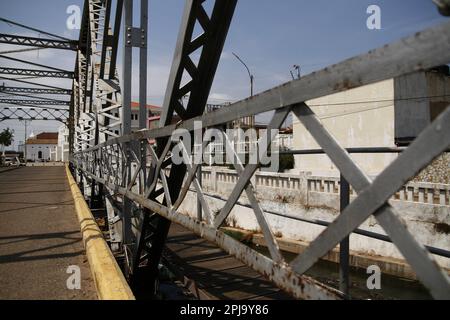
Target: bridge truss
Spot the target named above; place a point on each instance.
(32, 102)
(142, 187)
(34, 113)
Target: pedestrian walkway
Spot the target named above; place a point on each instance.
(40, 236)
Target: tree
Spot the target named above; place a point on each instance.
(6, 138)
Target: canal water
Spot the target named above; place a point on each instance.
(392, 288)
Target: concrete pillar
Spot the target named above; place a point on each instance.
(253, 181)
(214, 178)
(303, 188)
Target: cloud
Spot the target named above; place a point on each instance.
(220, 97)
(226, 55)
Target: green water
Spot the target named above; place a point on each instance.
(392, 288)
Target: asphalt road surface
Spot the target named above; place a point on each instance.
(40, 238)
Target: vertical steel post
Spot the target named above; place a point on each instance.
(344, 246)
(25, 144)
(143, 116)
(143, 66)
(199, 203)
(216, 27)
(126, 110)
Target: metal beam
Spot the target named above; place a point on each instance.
(32, 83)
(32, 63)
(211, 42)
(126, 113)
(38, 42)
(35, 102)
(36, 73)
(19, 113)
(4, 89)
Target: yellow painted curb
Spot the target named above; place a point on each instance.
(109, 280)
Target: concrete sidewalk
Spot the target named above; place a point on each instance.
(40, 236)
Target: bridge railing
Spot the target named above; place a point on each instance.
(213, 178)
(150, 197)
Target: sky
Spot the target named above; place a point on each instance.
(270, 36)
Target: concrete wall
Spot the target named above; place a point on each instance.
(385, 114)
(420, 98)
(411, 115)
(424, 207)
(354, 123)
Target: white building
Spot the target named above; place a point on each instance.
(390, 113)
(41, 146)
(153, 113)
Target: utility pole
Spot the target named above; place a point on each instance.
(297, 69)
(25, 142)
(252, 124)
(249, 73)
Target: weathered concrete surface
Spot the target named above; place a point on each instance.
(40, 236)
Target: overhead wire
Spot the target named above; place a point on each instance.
(33, 29)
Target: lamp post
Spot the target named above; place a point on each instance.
(297, 69)
(251, 83)
(249, 73)
(25, 142)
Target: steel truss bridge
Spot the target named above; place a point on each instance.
(143, 197)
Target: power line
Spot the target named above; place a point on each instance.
(32, 63)
(21, 50)
(380, 101)
(353, 112)
(336, 115)
(33, 29)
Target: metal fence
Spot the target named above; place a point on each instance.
(142, 199)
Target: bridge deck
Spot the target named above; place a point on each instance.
(212, 274)
(39, 236)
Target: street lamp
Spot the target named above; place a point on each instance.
(252, 124)
(25, 142)
(297, 69)
(249, 73)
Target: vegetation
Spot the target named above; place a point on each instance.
(6, 138)
(287, 162)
